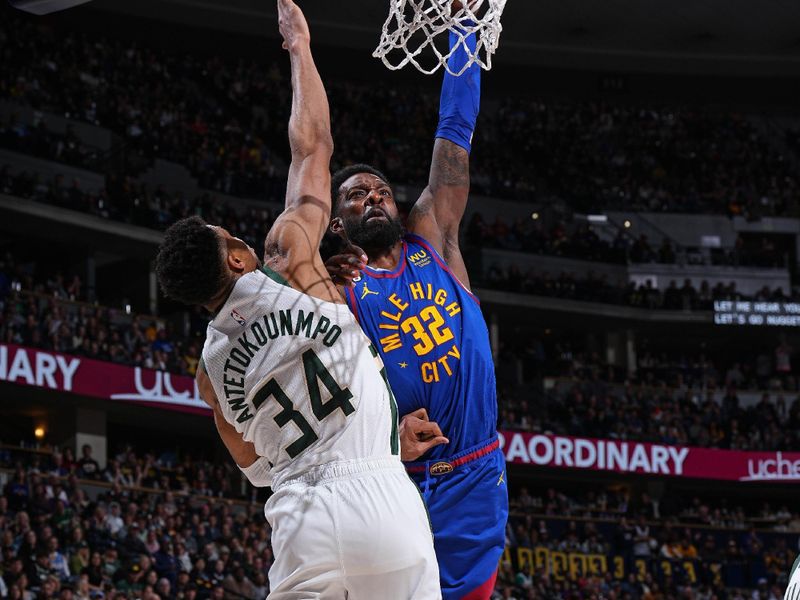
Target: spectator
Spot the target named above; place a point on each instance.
(88, 468)
(238, 583)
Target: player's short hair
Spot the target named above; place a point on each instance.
(346, 173)
(191, 264)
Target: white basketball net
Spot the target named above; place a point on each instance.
(413, 25)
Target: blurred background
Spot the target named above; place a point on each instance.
(632, 234)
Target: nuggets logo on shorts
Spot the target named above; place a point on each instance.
(441, 468)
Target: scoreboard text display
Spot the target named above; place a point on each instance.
(764, 314)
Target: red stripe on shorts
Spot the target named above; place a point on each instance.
(484, 591)
(459, 461)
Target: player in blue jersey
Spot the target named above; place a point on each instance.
(411, 295)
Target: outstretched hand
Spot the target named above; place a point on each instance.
(418, 435)
(292, 24)
(344, 267)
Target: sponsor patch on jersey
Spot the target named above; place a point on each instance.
(441, 468)
(420, 258)
(238, 318)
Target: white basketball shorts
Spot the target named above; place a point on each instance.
(352, 529)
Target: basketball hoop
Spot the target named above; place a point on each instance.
(413, 26)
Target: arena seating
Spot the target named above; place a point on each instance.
(175, 527)
(664, 402)
(223, 119)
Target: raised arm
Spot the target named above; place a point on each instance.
(437, 214)
(293, 242)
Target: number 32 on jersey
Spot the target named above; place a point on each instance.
(427, 329)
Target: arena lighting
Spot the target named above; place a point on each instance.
(597, 218)
(627, 224)
(535, 216)
(38, 433)
(44, 7)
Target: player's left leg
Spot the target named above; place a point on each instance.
(385, 539)
(306, 563)
(415, 582)
(469, 510)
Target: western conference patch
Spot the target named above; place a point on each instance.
(793, 589)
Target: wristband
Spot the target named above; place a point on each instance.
(259, 473)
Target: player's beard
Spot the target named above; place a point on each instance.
(374, 235)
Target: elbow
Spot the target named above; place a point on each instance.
(324, 144)
(318, 143)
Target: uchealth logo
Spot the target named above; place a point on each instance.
(160, 390)
(777, 468)
(99, 379)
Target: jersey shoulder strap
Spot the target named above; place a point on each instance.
(421, 241)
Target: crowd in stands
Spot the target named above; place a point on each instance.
(198, 112)
(176, 528)
(677, 510)
(596, 287)
(226, 120)
(532, 235)
(126, 200)
(595, 409)
(37, 140)
(52, 313)
(648, 158)
(670, 399)
(673, 548)
(178, 541)
(665, 400)
(769, 365)
(582, 241)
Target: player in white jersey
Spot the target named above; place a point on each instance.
(793, 589)
(298, 393)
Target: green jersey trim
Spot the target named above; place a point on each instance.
(275, 276)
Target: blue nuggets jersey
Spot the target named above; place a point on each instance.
(434, 342)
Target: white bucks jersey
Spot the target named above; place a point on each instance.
(297, 377)
(793, 589)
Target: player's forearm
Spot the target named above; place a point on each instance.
(310, 121)
(243, 453)
(449, 166)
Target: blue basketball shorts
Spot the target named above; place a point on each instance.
(467, 500)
